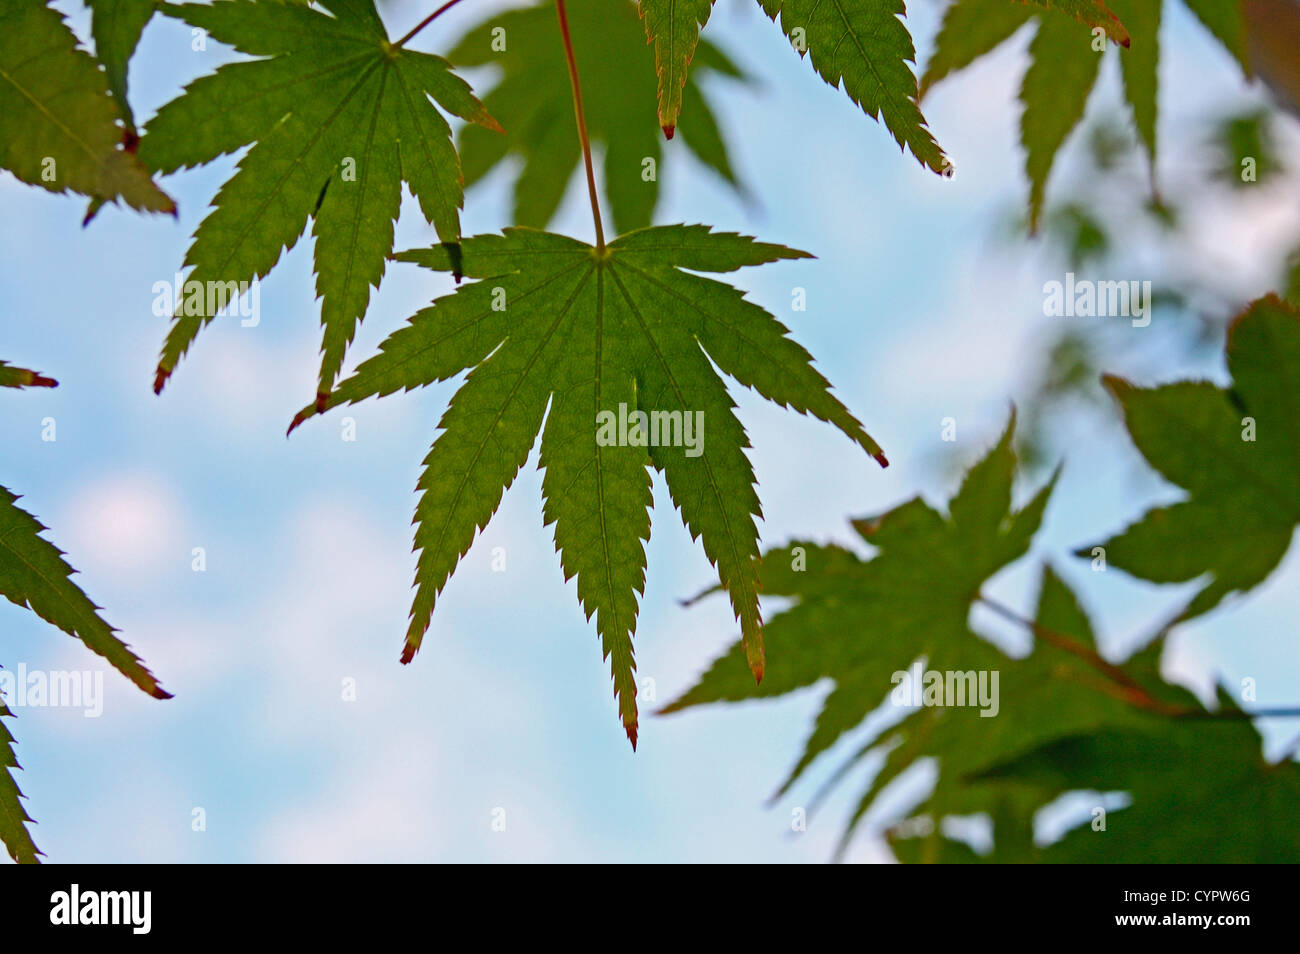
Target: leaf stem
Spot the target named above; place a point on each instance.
(582, 122)
(426, 21)
(1129, 689)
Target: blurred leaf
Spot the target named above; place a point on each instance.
(971, 28)
(860, 622)
(619, 90)
(1139, 65)
(1201, 793)
(1246, 149)
(1224, 19)
(1082, 236)
(1062, 70)
(1269, 29)
(1063, 688)
(1063, 67)
(1093, 13)
(1236, 452)
(673, 26)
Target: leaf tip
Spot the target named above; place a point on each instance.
(669, 130)
(1116, 385)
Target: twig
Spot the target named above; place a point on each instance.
(426, 21)
(1130, 690)
(582, 122)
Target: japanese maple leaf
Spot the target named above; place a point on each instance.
(863, 46)
(338, 118)
(1063, 687)
(1237, 454)
(1200, 790)
(858, 622)
(117, 26)
(1064, 62)
(673, 27)
(58, 125)
(557, 331)
(535, 105)
(34, 575)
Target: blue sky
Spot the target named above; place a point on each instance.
(915, 312)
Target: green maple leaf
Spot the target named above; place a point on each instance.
(1062, 688)
(33, 574)
(1063, 67)
(673, 27)
(1064, 64)
(535, 105)
(338, 118)
(58, 125)
(1092, 13)
(1237, 454)
(1224, 19)
(864, 46)
(1201, 792)
(13, 817)
(1140, 65)
(116, 26)
(556, 330)
(859, 622)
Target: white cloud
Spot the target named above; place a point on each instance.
(123, 525)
